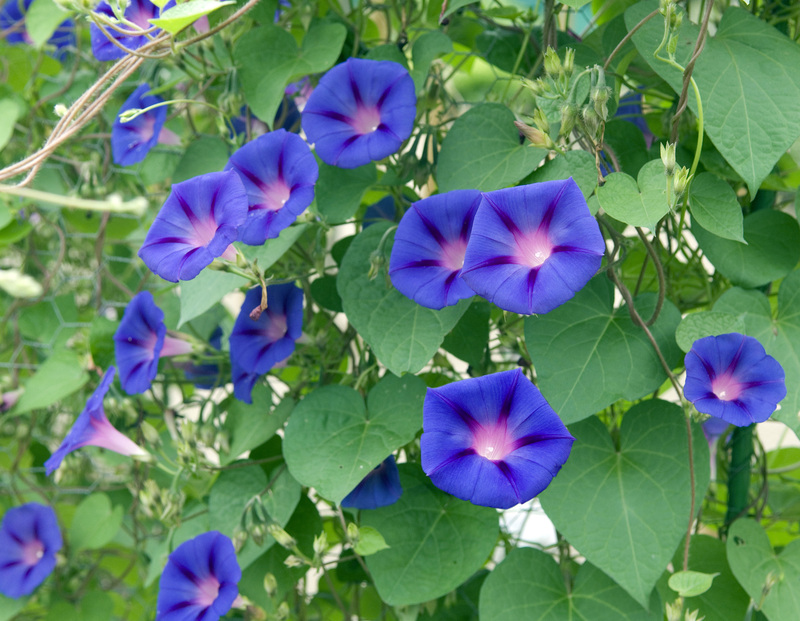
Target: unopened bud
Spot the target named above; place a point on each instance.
(239, 538)
(150, 434)
(540, 120)
(692, 616)
(536, 87)
(60, 109)
(537, 137)
(320, 544)
(257, 532)
(674, 610)
(668, 158)
(352, 532)
(569, 61)
(270, 584)
(376, 262)
(19, 285)
(282, 612)
(599, 97)
(672, 44)
(130, 114)
(569, 112)
(294, 561)
(283, 538)
(590, 119)
(681, 181)
(552, 63)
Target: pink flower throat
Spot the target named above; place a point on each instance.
(493, 442)
(726, 387)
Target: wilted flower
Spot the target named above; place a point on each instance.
(361, 111)
(731, 377)
(93, 429)
(380, 488)
(532, 247)
(131, 141)
(29, 540)
(200, 580)
(492, 440)
(428, 251)
(199, 220)
(278, 172)
(137, 12)
(140, 340)
(12, 23)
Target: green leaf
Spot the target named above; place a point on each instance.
(205, 290)
(268, 58)
(628, 143)
(576, 164)
(230, 494)
(10, 111)
(638, 204)
(332, 441)
(691, 583)
(575, 4)
(339, 191)
(403, 334)
(10, 607)
(436, 541)
(430, 45)
(708, 323)
(204, 155)
(758, 569)
(5, 212)
(42, 19)
(268, 253)
(370, 541)
(59, 376)
(748, 80)
(179, 17)
(95, 522)
(771, 252)
(252, 424)
(482, 151)
(625, 507)
(714, 205)
(529, 585)
(454, 5)
(588, 354)
(469, 338)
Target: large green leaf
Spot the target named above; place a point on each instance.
(339, 191)
(482, 151)
(403, 334)
(436, 541)
(577, 164)
(95, 522)
(429, 45)
(625, 505)
(715, 207)
(771, 252)
(748, 80)
(332, 441)
(755, 565)
(252, 424)
(59, 376)
(205, 290)
(706, 323)
(588, 354)
(204, 155)
(529, 585)
(10, 111)
(638, 203)
(42, 19)
(267, 58)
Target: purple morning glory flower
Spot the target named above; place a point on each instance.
(200, 580)
(12, 22)
(197, 223)
(140, 340)
(278, 172)
(93, 429)
(429, 246)
(384, 209)
(243, 383)
(380, 488)
(257, 345)
(532, 247)
(29, 540)
(361, 111)
(732, 377)
(492, 440)
(132, 141)
(138, 12)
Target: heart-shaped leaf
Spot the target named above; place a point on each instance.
(332, 441)
(715, 207)
(638, 203)
(626, 507)
(691, 583)
(771, 580)
(708, 323)
(576, 164)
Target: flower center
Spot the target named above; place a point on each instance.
(492, 442)
(366, 120)
(32, 552)
(726, 387)
(147, 128)
(276, 194)
(534, 248)
(277, 328)
(453, 254)
(208, 589)
(204, 232)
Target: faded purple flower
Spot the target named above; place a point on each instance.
(492, 440)
(138, 12)
(380, 488)
(732, 377)
(200, 580)
(132, 141)
(361, 111)
(93, 429)
(429, 246)
(532, 247)
(278, 172)
(140, 340)
(197, 223)
(12, 23)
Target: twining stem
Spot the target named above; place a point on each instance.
(628, 37)
(739, 473)
(137, 206)
(659, 271)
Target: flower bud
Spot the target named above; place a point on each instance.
(599, 97)
(537, 137)
(60, 109)
(681, 181)
(552, 63)
(674, 610)
(540, 120)
(591, 120)
(283, 538)
(376, 263)
(294, 561)
(536, 87)
(270, 584)
(257, 532)
(569, 113)
(569, 61)
(282, 612)
(692, 616)
(352, 532)
(239, 538)
(19, 285)
(668, 157)
(320, 544)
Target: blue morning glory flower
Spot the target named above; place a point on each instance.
(384, 209)
(278, 172)
(138, 12)
(200, 580)
(197, 223)
(132, 141)
(29, 540)
(93, 429)
(361, 111)
(532, 247)
(12, 22)
(732, 377)
(243, 383)
(492, 440)
(380, 488)
(429, 246)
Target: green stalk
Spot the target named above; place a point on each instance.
(739, 472)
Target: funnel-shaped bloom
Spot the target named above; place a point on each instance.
(132, 141)
(243, 383)
(492, 440)
(532, 247)
(138, 12)
(731, 377)
(361, 111)
(278, 172)
(258, 344)
(200, 580)
(140, 340)
(429, 246)
(380, 488)
(12, 23)
(93, 429)
(29, 540)
(199, 220)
